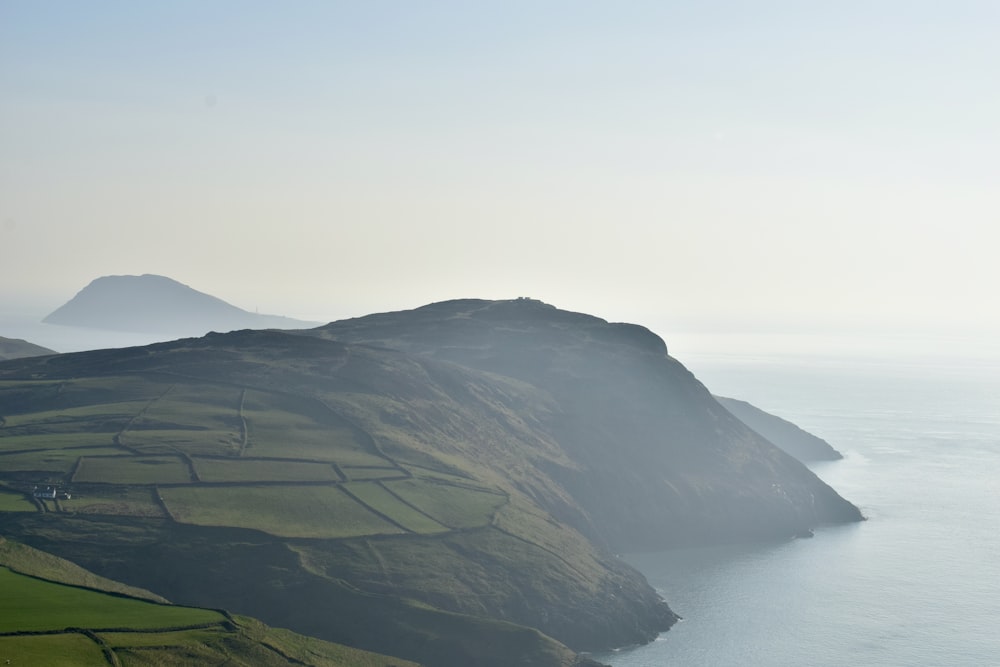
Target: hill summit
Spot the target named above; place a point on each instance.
(157, 304)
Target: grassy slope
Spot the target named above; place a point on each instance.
(32, 605)
(33, 562)
(58, 595)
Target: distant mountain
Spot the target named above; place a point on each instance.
(15, 348)
(157, 304)
(799, 443)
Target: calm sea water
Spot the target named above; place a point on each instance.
(917, 584)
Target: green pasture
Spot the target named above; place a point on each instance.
(32, 396)
(452, 505)
(257, 470)
(59, 461)
(132, 470)
(110, 389)
(192, 441)
(376, 497)
(285, 511)
(200, 418)
(325, 653)
(97, 418)
(361, 473)
(26, 560)
(286, 427)
(117, 501)
(63, 650)
(170, 638)
(252, 644)
(11, 501)
(196, 402)
(30, 604)
(10, 443)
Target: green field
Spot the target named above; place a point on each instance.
(30, 604)
(454, 506)
(356, 473)
(66, 602)
(50, 441)
(133, 470)
(264, 470)
(58, 461)
(119, 501)
(11, 501)
(382, 501)
(63, 650)
(285, 511)
(101, 418)
(285, 427)
(201, 419)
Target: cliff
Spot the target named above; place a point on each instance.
(654, 460)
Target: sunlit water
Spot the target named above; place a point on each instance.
(917, 584)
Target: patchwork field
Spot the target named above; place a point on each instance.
(10, 442)
(68, 621)
(115, 501)
(132, 470)
(57, 461)
(384, 502)
(285, 511)
(454, 506)
(216, 454)
(264, 470)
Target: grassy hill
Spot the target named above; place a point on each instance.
(441, 484)
(301, 480)
(53, 612)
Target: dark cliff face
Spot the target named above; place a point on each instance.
(656, 461)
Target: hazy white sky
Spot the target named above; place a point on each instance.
(728, 165)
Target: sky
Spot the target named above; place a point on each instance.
(716, 167)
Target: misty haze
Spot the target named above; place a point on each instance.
(556, 334)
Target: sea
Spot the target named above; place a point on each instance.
(918, 583)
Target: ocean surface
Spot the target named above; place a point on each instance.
(916, 584)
